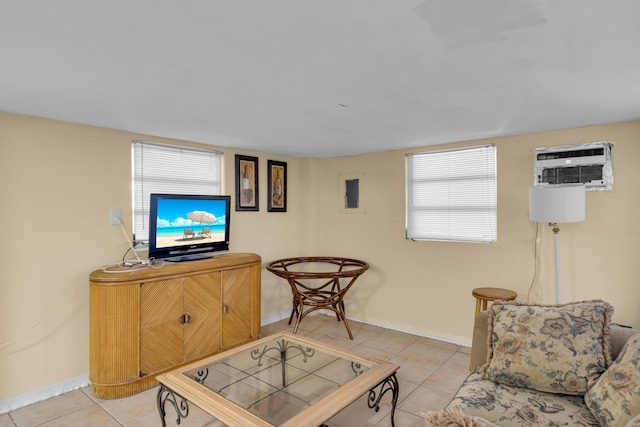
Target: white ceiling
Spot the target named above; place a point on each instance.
(322, 78)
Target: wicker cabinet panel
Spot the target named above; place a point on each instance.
(237, 307)
(202, 303)
(110, 311)
(161, 325)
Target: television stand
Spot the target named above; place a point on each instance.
(144, 322)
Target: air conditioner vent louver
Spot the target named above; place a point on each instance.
(571, 153)
(590, 164)
(572, 175)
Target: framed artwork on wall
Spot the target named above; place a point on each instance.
(247, 183)
(277, 191)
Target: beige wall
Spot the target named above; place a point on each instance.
(59, 181)
(425, 287)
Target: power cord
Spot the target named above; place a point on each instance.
(131, 248)
(126, 266)
(48, 313)
(538, 263)
(44, 316)
(133, 265)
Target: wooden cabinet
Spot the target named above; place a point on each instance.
(148, 321)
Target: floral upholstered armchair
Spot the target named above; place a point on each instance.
(549, 365)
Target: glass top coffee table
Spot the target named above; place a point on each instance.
(281, 380)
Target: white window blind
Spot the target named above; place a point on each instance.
(160, 168)
(451, 195)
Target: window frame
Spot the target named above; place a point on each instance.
(170, 177)
(445, 204)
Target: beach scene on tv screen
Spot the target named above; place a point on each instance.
(188, 221)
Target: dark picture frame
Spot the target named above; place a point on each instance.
(247, 183)
(277, 190)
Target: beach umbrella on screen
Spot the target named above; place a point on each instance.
(202, 217)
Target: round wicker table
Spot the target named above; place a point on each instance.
(318, 283)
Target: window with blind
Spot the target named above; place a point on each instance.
(168, 169)
(452, 196)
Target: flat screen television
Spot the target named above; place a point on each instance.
(184, 227)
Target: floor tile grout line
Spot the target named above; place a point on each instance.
(98, 403)
(437, 369)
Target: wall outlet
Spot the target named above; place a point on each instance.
(115, 216)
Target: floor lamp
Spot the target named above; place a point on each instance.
(557, 204)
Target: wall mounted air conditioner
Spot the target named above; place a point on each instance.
(590, 164)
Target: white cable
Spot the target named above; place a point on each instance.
(124, 233)
(43, 317)
(66, 296)
(538, 262)
(535, 262)
(136, 267)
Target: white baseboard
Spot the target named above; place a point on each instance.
(406, 331)
(12, 403)
(285, 314)
(275, 317)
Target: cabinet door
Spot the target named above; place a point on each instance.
(161, 329)
(203, 306)
(237, 310)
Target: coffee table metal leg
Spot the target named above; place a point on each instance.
(165, 394)
(389, 384)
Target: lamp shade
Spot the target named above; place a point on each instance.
(557, 204)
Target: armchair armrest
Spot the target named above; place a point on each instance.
(479, 340)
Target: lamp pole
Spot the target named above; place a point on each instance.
(556, 231)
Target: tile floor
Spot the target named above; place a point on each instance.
(430, 373)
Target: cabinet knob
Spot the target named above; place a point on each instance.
(185, 318)
(225, 308)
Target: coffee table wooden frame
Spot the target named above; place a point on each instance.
(377, 380)
(329, 295)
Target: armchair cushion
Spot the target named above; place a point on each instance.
(516, 407)
(550, 348)
(635, 422)
(454, 418)
(615, 398)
